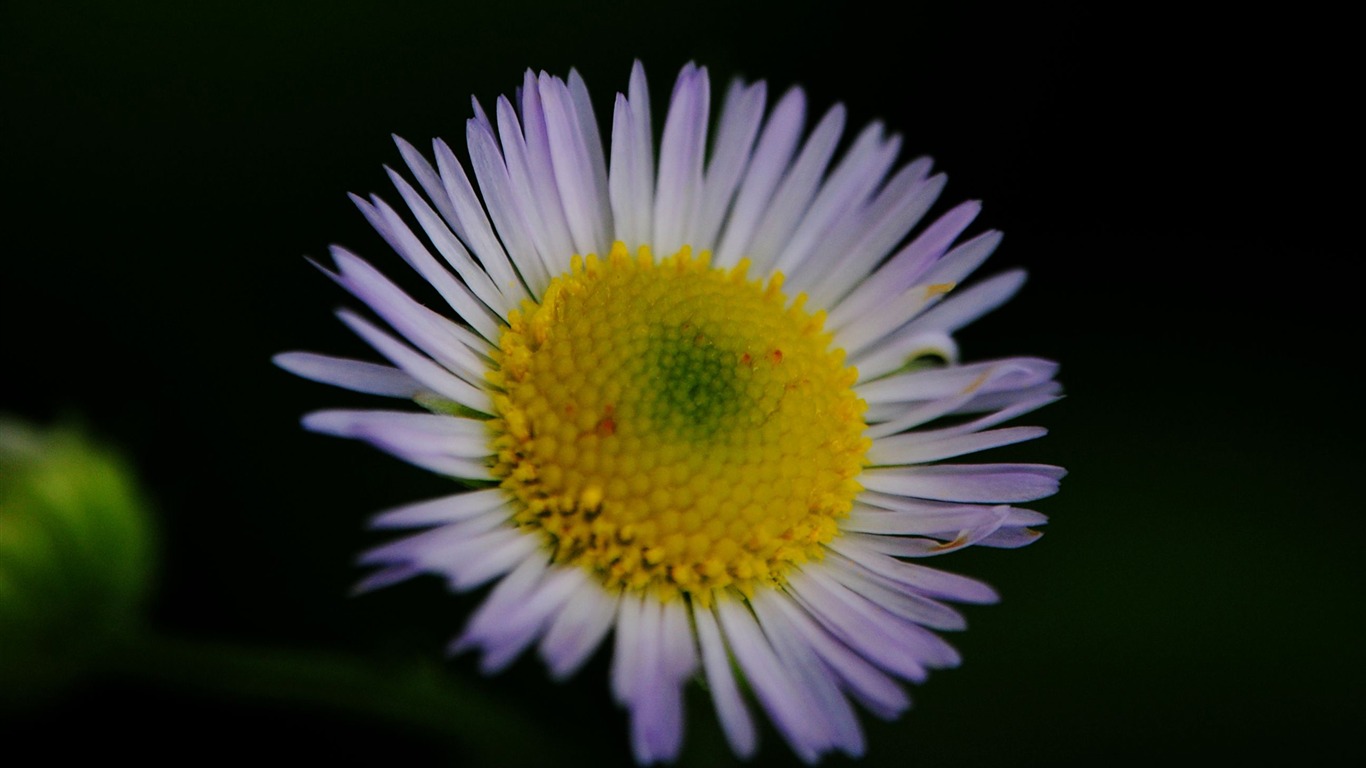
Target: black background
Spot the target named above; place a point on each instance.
(1181, 187)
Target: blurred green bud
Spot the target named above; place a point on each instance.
(75, 556)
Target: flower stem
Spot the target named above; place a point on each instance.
(416, 696)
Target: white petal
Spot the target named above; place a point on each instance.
(592, 141)
(893, 596)
(971, 483)
(908, 265)
(1011, 538)
(667, 660)
(541, 167)
(355, 375)
(421, 368)
(473, 226)
(931, 384)
(794, 194)
(390, 225)
(900, 348)
(385, 577)
(725, 695)
(872, 632)
(929, 582)
(533, 183)
(920, 448)
(632, 179)
(815, 679)
(438, 448)
(493, 556)
(473, 230)
(511, 214)
(679, 188)
(913, 640)
(430, 180)
(439, 511)
(450, 191)
(962, 308)
(585, 206)
(480, 116)
(415, 431)
(438, 337)
(876, 690)
(462, 553)
(976, 395)
(739, 125)
(772, 153)
(526, 621)
(843, 193)
(627, 650)
(948, 316)
(451, 249)
(797, 720)
(905, 546)
(875, 326)
(964, 259)
(901, 516)
(1020, 517)
(513, 590)
(679, 646)
(656, 702)
(921, 413)
(431, 549)
(1017, 406)
(626, 198)
(866, 236)
(1006, 402)
(578, 630)
(507, 624)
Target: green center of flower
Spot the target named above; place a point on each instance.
(673, 427)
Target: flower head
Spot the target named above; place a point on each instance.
(711, 407)
(75, 555)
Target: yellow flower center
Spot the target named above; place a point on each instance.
(675, 428)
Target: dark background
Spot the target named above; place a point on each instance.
(1179, 186)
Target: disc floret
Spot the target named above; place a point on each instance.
(674, 427)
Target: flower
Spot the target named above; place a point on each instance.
(707, 407)
(76, 566)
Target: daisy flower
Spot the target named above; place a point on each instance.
(707, 399)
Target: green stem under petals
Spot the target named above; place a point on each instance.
(418, 696)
